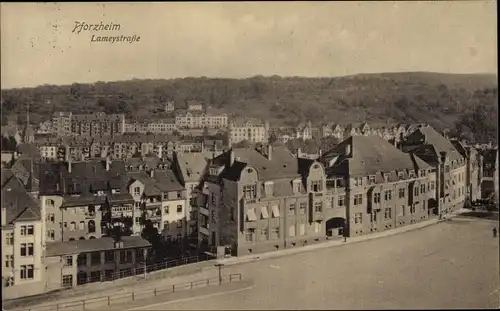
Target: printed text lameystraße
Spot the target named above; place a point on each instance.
(101, 27)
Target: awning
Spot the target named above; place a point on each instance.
(251, 215)
(275, 211)
(263, 211)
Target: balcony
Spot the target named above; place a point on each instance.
(204, 231)
(204, 211)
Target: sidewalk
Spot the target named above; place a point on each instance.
(339, 242)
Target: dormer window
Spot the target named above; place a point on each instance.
(268, 188)
(213, 171)
(371, 179)
(296, 186)
(401, 175)
(411, 174)
(386, 177)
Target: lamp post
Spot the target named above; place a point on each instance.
(220, 265)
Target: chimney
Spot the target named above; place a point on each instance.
(70, 162)
(299, 152)
(108, 163)
(348, 150)
(269, 152)
(152, 173)
(231, 157)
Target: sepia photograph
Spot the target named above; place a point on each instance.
(295, 155)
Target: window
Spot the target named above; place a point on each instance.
(263, 234)
(316, 186)
(81, 260)
(67, 281)
(27, 249)
(109, 256)
(166, 225)
(415, 191)
(179, 209)
(125, 256)
(91, 226)
(27, 272)
(371, 179)
(27, 230)
(388, 195)
(166, 209)
(358, 218)
(250, 191)
(179, 223)
(358, 181)
(51, 218)
(422, 189)
(9, 261)
(341, 201)
(213, 199)
(179, 194)
(318, 207)
(95, 258)
(9, 238)
(432, 185)
(317, 227)
(401, 175)
(388, 213)
(358, 199)
(376, 198)
(51, 235)
(412, 209)
(67, 261)
(72, 226)
(137, 190)
(65, 225)
(49, 202)
(249, 235)
(214, 219)
(302, 208)
(263, 212)
(291, 230)
(82, 225)
(403, 210)
(401, 193)
(411, 174)
(291, 209)
(386, 177)
(275, 233)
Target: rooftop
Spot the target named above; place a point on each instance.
(93, 245)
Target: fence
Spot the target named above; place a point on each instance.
(138, 270)
(101, 302)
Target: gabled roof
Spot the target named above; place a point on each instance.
(438, 142)
(20, 206)
(369, 155)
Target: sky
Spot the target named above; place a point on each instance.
(237, 40)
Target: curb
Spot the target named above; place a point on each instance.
(324, 245)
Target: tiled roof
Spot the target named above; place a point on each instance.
(369, 155)
(120, 198)
(192, 166)
(70, 201)
(93, 245)
(18, 203)
(437, 141)
(283, 163)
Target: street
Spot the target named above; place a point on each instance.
(450, 265)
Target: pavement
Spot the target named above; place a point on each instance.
(452, 265)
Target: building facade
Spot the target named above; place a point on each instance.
(252, 131)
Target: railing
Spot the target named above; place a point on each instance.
(92, 303)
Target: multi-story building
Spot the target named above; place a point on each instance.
(194, 119)
(61, 123)
(160, 199)
(250, 130)
(380, 186)
(473, 170)
(190, 169)
(45, 128)
(489, 185)
(449, 164)
(160, 126)
(23, 272)
(97, 124)
(194, 105)
(169, 107)
(78, 262)
(262, 200)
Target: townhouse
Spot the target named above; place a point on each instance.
(98, 123)
(23, 271)
(190, 169)
(449, 164)
(380, 186)
(253, 131)
(61, 123)
(194, 119)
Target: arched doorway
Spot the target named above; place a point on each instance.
(335, 227)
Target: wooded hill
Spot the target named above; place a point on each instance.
(439, 99)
